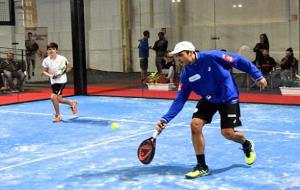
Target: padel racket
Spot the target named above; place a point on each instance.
(146, 150)
(62, 69)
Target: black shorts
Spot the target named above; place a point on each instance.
(58, 88)
(144, 63)
(229, 113)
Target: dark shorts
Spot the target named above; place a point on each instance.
(229, 113)
(58, 88)
(144, 63)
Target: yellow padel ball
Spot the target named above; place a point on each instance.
(115, 126)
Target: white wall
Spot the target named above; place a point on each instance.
(197, 21)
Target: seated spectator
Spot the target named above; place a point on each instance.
(168, 67)
(12, 69)
(289, 65)
(267, 64)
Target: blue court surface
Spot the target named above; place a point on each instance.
(83, 152)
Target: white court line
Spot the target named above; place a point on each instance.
(259, 131)
(79, 149)
(148, 122)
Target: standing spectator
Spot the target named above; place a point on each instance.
(258, 49)
(289, 65)
(31, 49)
(144, 54)
(160, 47)
(55, 67)
(12, 69)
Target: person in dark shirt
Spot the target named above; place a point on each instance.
(267, 63)
(289, 65)
(258, 49)
(160, 47)
(13, 69)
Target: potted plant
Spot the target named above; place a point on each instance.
(291, 88)
(154, 82)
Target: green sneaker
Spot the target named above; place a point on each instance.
(198, 171)
(250, 155)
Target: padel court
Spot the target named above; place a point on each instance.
(83, 152)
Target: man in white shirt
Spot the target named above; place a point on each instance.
(55, 67)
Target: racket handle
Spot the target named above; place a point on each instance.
(155, 134)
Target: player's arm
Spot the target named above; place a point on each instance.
(177, 105)
(239, 62)
(45, 72)
(69, 67)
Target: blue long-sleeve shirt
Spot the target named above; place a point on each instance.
(210, 78)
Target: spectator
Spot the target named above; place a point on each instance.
(160, 47)
(13, 69)
(144, 54)
(267, 63)
(289, 65)
(168, 67)
(258, 49)
(31, 49)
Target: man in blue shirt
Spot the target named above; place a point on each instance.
(207, 73)
(144, 54)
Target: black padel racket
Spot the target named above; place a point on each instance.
(146, 149)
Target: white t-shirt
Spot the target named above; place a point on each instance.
(55, 67)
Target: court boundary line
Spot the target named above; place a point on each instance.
(147, 122)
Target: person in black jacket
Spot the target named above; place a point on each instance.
(13, 69)
(267, 64)
(289, 65)
(258, 49)
(160, 47)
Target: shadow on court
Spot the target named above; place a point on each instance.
(83, 120)
(130, 173)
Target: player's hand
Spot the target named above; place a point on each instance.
(53, 76)
(262, 83)
(160, 126)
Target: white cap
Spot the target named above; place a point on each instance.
(182, 46)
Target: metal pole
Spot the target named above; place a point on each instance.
(78, 47)
(126, 45)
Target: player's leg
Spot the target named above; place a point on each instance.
(72, 104)
(203, 114)
(230, 118)
(55, 101)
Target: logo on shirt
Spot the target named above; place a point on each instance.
(194, 78)
(209, 69)
(228, 58)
